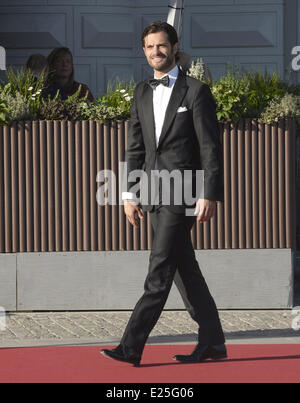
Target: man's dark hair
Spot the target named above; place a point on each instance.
(160, 26)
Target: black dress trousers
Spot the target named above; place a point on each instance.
(173, 257)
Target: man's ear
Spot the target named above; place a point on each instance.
(176, 47)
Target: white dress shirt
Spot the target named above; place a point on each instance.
(161, 99)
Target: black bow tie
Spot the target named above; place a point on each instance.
(154, 83)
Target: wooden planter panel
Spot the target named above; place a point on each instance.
(48, 189)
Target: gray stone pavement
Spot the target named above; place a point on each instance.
(174, 327)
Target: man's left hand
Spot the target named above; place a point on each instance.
(205, 209)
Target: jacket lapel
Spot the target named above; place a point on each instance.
(148, 112)
(177, 96)
(179, 91)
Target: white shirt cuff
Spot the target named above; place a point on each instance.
(130, 196)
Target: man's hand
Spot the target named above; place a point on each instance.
(133, 213)
(205, 209)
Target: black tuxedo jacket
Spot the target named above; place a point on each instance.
(189, 140)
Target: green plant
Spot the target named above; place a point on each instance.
(231, 93)
(53, 109)
(76, 110)
(89, 111)
(72, 111)
(117, 102)
(200, 71)
(76, 97)
(103, 113)
(23, 82)
(18, 108)
(30, 87)
(262, 90)
(4, 119)
(246, 95)
(238, 95)
(286, 107)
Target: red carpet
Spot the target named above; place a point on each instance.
(246, 363)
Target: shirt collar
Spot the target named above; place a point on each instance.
(173, 74)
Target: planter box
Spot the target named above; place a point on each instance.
(238, 279)
(48, 189)
(48, 204)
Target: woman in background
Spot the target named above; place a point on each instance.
(61, 73)
(38, 66)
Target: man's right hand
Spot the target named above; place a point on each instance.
(133, 213)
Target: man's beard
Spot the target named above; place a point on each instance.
(168, 62)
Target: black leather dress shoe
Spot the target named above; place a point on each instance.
(124, 354)
(202, 353)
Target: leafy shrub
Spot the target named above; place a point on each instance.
(246, 95)
(286, 107)
(76, 108)
(231, 93)
(3, 113)
(30, 87)
(73, 111)
(53, 109)
(116, 104)
(238, 95)
(24, 97)
(18, 108)
(262, 90)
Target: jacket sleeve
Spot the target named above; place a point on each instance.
(211, 154)
(135, 152)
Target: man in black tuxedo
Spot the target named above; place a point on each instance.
(173, 127)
